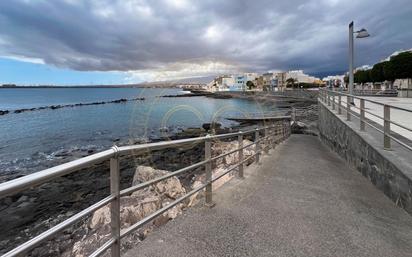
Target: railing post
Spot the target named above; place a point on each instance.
(328, 98)
(208, 169)
(274, 134)
(386, 127)
(266, 140)
(333, 101)
(288, 126)
(240, 154)
(257, 148)
(348, 99)
(339, 104)
(115, 204)
(362, 114)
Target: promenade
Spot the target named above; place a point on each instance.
(302, 200)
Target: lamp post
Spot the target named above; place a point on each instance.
(360, 34)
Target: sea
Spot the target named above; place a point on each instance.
(35, 140)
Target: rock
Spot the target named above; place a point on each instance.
(164, 129)
(213, 125)
(298, 127)
(134, 208)
(219, 148)
(194, 199)
(171, 187)
(23, 198)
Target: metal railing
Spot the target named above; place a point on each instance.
(382, 123)
(375, 92)
(272, 134)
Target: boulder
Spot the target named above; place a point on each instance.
(213, 125)
(219, 148)
(171, 187)
(133, 208)
(298, 127)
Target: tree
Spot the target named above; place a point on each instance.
(388, 71)
(376, 73)
(362, 76)
(250, 85)
(401, 65)
(346, 79)
(290, 82)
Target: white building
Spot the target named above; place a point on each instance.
(334, 81)
(251, 76)
(404, 87)
(239, 83)
(300, 77)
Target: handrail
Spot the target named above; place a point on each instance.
(328, 97)
(368, 100)
(275, 133)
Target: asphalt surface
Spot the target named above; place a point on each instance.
(302, 200)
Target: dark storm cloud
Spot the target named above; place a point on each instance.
(139, 35)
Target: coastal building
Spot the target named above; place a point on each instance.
(334, 81)
(251, 76)
(239, 83)
(267, 79)
(280, 78)
(404, 87)
(300, 77)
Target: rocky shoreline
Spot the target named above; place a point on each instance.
(59, 106)
(31, 212)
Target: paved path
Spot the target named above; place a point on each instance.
(302, 201)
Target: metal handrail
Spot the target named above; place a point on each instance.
(368, 100)
(326, 95)
(280, 128)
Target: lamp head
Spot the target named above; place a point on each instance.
(362, 33)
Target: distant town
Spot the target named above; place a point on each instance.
(391, 76)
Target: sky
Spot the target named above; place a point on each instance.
(69, 42)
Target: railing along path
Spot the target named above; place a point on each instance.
(344, 102)
(272, 134)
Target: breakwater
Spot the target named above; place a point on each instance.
(59, 106)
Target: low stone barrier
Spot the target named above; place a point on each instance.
(367, 158)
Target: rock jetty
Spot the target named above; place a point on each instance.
(55, 107)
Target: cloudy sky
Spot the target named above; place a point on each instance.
(128, 41)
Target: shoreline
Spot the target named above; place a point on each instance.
(33, 211)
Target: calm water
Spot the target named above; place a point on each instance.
(32, 141)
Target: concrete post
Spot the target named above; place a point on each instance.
(348, 99)
(115, 205)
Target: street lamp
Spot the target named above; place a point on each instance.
(359, 34)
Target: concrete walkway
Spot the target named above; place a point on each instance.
(302, 201)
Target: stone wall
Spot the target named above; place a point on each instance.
(365, 157)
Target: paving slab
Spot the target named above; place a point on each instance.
(303, 200)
